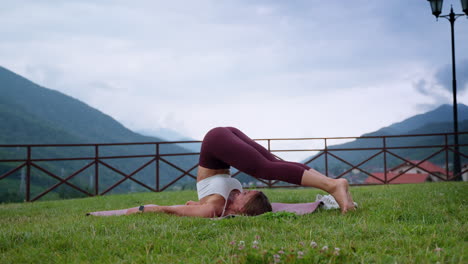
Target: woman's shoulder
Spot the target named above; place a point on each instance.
(213, 199)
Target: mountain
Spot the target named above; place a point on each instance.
(20, 127)
(31, 114)
(443, 113)
(63, 112)
(438, 120)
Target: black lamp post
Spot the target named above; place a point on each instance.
(436, 6)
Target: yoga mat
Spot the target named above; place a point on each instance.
(297, 208)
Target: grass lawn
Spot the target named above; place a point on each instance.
(421, 223)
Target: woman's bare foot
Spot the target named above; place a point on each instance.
(338, 188)
(342, 195)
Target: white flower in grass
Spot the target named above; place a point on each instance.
(300, 254)
(324, 248)
(241, 245)
(255, 244)
(336, 252)
(437, 249)
(276, 258)
(281, 252)
(313, 244)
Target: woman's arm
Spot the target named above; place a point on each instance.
(203, 210)
(192, 203)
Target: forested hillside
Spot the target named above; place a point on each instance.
(31, 114)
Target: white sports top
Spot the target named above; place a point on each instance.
(221, 184)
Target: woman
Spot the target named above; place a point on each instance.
(221, 195)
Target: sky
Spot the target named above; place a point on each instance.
(274, 69)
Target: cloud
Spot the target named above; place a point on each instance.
(44, 74)
(434, 92)
(438, 86)
(285, 68)
(444, 76)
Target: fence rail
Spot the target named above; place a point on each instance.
(381, 146)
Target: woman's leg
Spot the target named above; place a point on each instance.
(338, 188)
(267, 154)
(225, 147)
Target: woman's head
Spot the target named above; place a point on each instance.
(256, 204)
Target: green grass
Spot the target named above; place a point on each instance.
(423, 223)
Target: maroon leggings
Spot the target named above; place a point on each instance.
(223, 147)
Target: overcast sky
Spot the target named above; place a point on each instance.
(271, 68)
